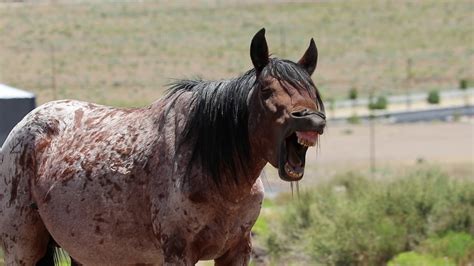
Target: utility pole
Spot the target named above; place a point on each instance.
(409, 76)
(372, 132)
(372, 142)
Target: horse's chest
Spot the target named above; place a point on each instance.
(215, 239)
(219, 228)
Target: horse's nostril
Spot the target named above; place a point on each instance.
(306, 112)
(301, 113)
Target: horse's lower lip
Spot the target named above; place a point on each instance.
(291, 158)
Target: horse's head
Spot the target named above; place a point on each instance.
(286, 113)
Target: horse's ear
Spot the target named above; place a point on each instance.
(259, 50)
(310, 58)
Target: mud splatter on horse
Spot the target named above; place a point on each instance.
(169, 184)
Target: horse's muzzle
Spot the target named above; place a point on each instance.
(307, 120)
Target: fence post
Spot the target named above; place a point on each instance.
(409, 76)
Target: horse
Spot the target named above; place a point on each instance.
(168, 184)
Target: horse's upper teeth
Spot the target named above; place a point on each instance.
(304, 142)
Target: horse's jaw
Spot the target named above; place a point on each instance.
(291, 159)
(304, 129)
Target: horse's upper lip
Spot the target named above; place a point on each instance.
(307, 121)
(307, 138)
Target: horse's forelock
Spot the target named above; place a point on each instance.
(289, 72)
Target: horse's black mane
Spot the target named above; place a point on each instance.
(218, 122)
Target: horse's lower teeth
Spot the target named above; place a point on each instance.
(292, 173)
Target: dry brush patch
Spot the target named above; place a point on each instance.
(356, 220)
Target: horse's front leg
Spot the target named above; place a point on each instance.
(176, 251)
(239, 254)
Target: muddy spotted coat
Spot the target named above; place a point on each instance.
(99, 165)
(111, 186)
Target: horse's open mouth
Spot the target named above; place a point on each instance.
(293, 154)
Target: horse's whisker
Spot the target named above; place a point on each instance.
(298, 189)
(291, 185)
(264, 175)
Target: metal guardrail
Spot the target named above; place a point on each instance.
(415, 97)
(442, 114)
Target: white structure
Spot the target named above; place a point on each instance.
(14, 105)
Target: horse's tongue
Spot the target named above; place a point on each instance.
(307, 135)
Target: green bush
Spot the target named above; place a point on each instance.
(353, 94)
(459, 246)
(433, 97)
(412, 258)
(463, 84)
(379, 104)
(261, 226)
(353, 119)
(454, 248)
(273, 245)
(353, 220)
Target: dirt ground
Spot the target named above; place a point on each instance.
(448, 142)
(397, 147)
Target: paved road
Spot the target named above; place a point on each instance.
(453, 103)
(412, 98)
(440, 114)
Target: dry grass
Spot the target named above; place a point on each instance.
(125, 53)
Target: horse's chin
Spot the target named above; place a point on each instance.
(292, 155)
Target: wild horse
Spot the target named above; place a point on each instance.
(169, 184)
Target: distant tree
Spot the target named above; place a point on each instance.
(463, 85)
(372, 132)
(332, 106)
(353, 97)
(433, 97)
(380, 103)
(353, 94)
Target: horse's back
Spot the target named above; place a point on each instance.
(28, 144)
(78, 141)
(94, 190)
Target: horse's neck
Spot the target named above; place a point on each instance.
(192, 181)
(228, 191)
